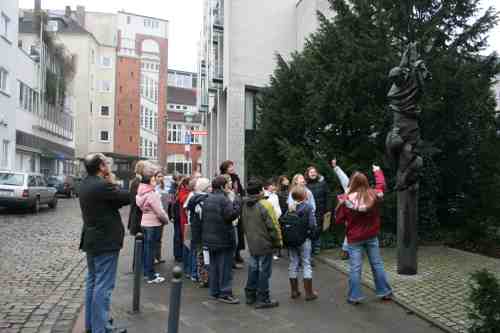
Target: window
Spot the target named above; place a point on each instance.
(105, 86)
(174, 133)
(105, 111)
(129, 19)
(178, 163)
(4, 80)
(251, 110)
(105, 62)
(155, 122)
(31, 181)
(28, 98)
(155, 151)
(143, 117)
(130, 108)
(104, 136)
(91, 108)
(4, 161)
(195, 139)
(184, 107)
(150, 148)
(92, 57)
(4, 25)
(178, 107)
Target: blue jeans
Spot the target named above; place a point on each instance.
(189, 262)
(259, 274)
(101, 278)
(371, 247)
(298, 255)
(220, 276)
(151, 237)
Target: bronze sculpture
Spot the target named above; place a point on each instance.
(402, 149)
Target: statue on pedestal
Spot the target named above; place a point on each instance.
(402, 145)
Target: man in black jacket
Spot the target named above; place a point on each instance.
(227, 167)
(219, 237)
(102, 240)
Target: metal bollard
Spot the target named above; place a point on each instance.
(138, 269)
(175, 301)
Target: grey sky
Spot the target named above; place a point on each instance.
(185, 18)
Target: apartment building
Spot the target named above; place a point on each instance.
(184, 124)
(141, 81)
(44, 104)
(238, 48)
(8, 82)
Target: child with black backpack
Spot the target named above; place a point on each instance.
(298, 224)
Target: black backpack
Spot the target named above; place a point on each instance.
(294, 229)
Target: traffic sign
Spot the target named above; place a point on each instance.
(199, 133)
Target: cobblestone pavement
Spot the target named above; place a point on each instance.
(439, 292)
(41, 269)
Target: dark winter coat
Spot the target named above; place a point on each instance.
(217, 220)
(321, 193)
(283, 198)
(100, 202)
(261, 232)
(135, 216)
(195, 209)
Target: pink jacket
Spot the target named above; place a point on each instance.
(149, 201)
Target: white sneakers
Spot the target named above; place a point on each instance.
(157, 279)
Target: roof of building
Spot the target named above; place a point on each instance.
(181, 96)
(170, 70)
(150, 17)
(69, 24)
(179, 117)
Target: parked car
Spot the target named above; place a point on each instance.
(25, 190)
(64, 185)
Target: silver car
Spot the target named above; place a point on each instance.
(25, 190)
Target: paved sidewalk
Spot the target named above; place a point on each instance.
(439, 292)
(199, 314)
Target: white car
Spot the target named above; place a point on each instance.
(25, 190)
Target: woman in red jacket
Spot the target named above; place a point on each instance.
(358, 210)
(182, 195)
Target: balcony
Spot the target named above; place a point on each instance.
(57, 121)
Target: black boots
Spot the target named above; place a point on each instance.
(264, 301)
(251, 296)
(294, 287)
(311, 294)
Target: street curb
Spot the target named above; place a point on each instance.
(396, 299)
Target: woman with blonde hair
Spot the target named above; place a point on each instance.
(358, 209)
(302, 254)
(299, 180)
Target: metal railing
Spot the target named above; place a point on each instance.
(57, 121)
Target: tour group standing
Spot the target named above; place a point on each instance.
(214, 221)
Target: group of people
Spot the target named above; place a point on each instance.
(215, 220)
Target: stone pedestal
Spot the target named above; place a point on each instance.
(407, 230)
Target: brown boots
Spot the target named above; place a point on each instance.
(311, 294)
(294, 286)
